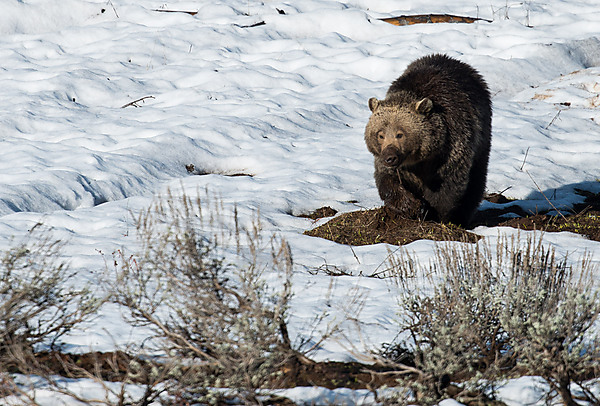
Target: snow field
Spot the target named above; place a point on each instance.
(286, 104)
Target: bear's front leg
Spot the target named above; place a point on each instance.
(398, 198)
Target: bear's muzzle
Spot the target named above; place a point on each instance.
(391, 156)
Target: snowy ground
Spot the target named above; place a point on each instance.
(284, 102)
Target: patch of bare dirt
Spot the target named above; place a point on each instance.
(584, 220)
(109, 366)
(382, 225)
(320, 213)
(113, 366)
(586, 223)
(334, 375)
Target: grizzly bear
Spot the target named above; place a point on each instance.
(431, 137)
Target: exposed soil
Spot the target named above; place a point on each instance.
(382, 225)
(114, 366)
(109, 366)
(331, 375)
(320, 213)
(585, 223)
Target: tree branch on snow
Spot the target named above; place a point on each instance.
(135, 102)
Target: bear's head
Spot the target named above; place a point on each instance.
(401, 132)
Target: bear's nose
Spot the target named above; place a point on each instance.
(390, 156)
(392, 160)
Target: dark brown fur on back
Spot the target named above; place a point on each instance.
(430, 137)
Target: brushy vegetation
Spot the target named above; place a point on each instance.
(214, 296)
(493, 316)
(215, 324)
(216, 329)
(38, 304)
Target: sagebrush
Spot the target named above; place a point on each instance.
(216, 321)
(484, 315)
(40, 302)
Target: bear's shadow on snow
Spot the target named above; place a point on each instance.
(384, 225)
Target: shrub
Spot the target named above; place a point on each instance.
(483, 317)
(40, 302)
(39, 299)
(549, 319)
(216, 323)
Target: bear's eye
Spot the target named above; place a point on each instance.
(399, 135)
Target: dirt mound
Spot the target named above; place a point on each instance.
(383, 225)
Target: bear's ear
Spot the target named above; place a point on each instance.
(373, 104)
(424, 106)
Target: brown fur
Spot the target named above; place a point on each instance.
(430, 137)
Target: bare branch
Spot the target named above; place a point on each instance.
(135, 102)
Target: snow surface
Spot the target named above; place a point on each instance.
(284, 102)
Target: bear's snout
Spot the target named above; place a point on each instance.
(391, 156)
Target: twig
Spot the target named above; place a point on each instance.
(504, 190)
(134, 103)
(113, 7)
(401, 370)
(192, 13)
(258, 24)
(523, 164)
(549, 202)
(535, 183)
(390, 253)
(354, 253)
(553, 119)
(330, 270)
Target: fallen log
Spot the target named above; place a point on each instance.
(431, 19)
